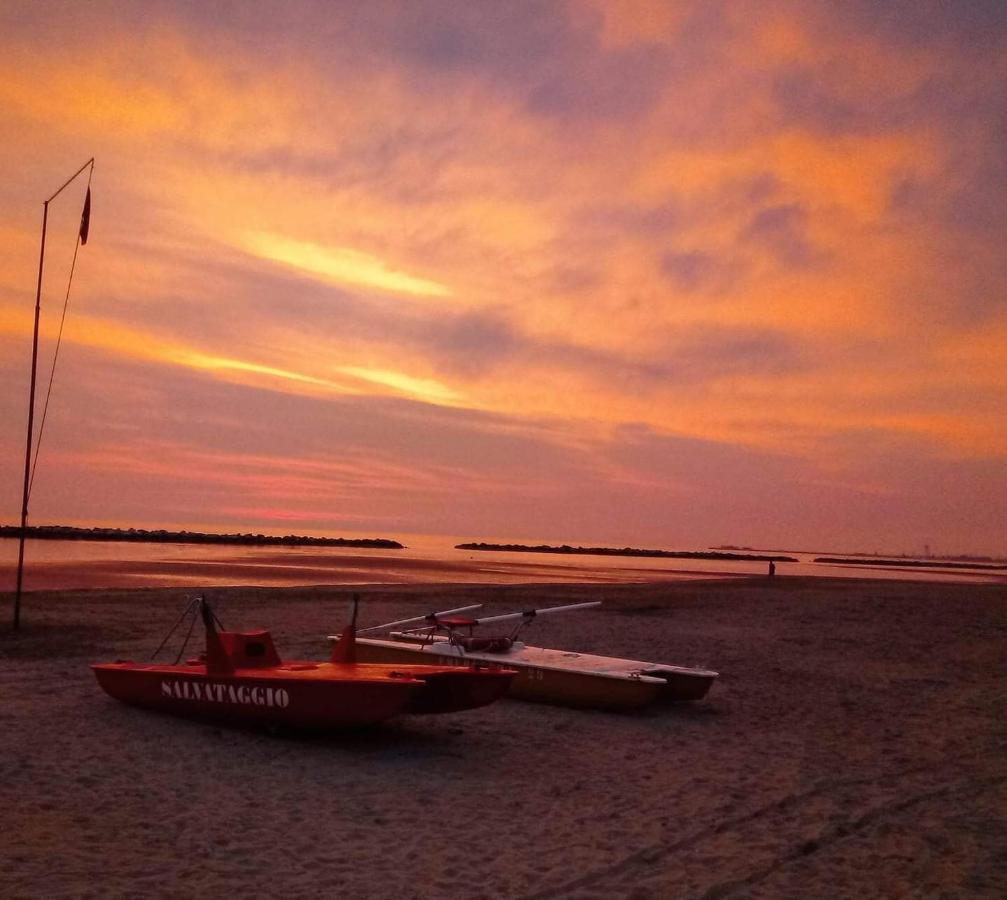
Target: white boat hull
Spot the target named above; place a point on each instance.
(555, 676)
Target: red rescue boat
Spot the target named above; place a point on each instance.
(241, 679)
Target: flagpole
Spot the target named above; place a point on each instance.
(31, 423)
(31, 397)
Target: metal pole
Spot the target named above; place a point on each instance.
(31, 423)
(532, 613)
(66, 183)
(430, 617)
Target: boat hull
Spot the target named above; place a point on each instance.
(553, 676)
(302, 696)
(459, 690)
(682, 686)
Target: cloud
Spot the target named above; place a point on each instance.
(745, 233)
(977, 24)
(699, 272)
(342, 265)
(783, 231)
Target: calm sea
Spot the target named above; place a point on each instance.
(90, 564)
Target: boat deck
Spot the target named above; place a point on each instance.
(545, 658)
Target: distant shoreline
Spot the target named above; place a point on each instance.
(908, 563)
(160, 536)
(625, 551)
(877, 554)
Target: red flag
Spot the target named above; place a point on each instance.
(85, 217)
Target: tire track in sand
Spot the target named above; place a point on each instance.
(647, 857)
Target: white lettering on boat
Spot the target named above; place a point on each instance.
(215, 692)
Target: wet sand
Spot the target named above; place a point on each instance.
(285, 570)
(76, 565)
(854, 746)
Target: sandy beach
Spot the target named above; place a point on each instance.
(854, 746)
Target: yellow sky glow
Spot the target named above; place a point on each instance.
(342, 265)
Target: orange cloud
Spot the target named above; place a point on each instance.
(695, 253)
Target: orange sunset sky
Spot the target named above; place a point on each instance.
(651, 273)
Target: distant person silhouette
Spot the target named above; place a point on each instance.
(772, 568)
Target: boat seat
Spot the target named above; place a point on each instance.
(457, 622)
(250, 649)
